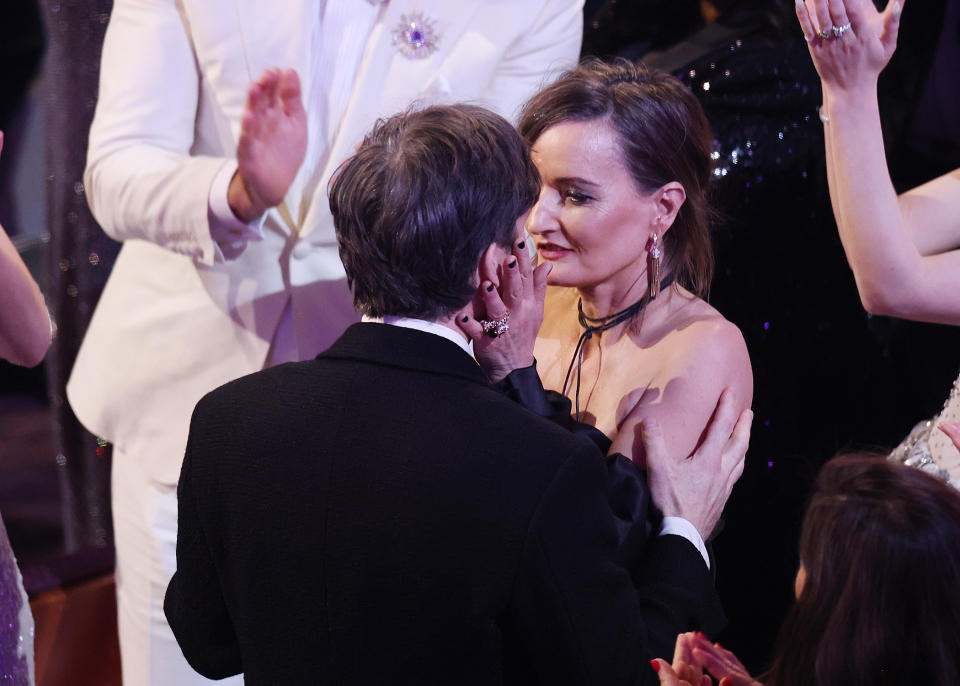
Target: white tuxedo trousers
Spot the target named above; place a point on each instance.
(145, 528)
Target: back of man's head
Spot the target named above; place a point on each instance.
(426, 193)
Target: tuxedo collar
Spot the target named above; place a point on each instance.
(395, 346)
(430, 327)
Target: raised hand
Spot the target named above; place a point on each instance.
(272, 145)
(849, 40)
(697, 488)
(520, 295)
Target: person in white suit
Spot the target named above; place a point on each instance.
(229, 262)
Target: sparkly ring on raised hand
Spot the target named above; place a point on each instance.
(840, 30)
(497, 327)
(825, 35)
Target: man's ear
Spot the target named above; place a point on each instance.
(669, 199)
(490, 265)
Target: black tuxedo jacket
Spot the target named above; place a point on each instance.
(382, 515)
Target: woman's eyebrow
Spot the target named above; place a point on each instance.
(576, 180)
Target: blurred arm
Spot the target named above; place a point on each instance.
(24, 323)
(141, 181)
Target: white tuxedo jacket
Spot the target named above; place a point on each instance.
(173, 323)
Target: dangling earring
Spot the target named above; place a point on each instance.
(656, 255)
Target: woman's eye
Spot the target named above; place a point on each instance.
(577, 198)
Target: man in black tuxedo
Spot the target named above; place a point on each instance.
(382, 514)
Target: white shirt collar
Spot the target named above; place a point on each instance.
(428, 327)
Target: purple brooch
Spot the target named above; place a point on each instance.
(416, 37)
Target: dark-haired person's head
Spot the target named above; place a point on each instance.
(878, 591)
(657, 137)
(427, 193)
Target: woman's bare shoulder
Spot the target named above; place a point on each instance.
(706, 347)
(699, 356)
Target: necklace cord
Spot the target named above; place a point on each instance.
(592, 324)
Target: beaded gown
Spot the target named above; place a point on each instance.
(930, 449)
(16, 623)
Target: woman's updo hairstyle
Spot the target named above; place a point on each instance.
(664, 136)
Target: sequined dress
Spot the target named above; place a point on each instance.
(16, 623)
(931, 450)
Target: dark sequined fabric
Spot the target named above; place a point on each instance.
(14, 635)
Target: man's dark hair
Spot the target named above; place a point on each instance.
(423, 197)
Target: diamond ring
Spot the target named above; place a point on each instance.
(840, 30)
(497, 327)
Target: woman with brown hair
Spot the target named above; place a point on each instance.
(876, 590)
(627, 344)
(624, 160)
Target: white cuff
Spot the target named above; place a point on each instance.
(225, 229)
(678, 526)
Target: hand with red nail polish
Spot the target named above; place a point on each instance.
(684, 671)
(668, 677)
(721, 663)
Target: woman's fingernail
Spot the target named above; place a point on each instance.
(521, 245)
(465, 319)
(897, 9)
(512, 265)
(655, 665)
(490, 288)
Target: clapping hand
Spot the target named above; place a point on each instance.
(693, 653)
(720, 662)
(520, 298)
(685, 670)
(272, 145)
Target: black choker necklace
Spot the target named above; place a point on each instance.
(592, 324)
